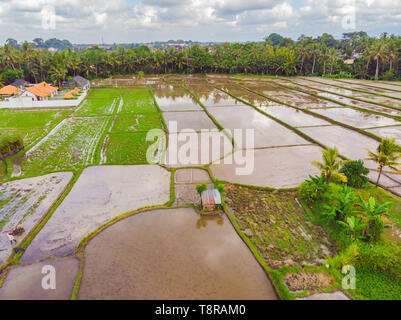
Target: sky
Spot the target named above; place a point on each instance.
(127, 21)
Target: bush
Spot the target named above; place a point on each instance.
(201, 187)
(219, 186)
(347, 257)
(312, 190)
(356, 173)
(388, 75)
(376, 227)
(383, 255)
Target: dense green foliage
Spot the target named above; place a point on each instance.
(201, 187)
(353, 227)
(356, 173)
(323, 55)
(312, 190)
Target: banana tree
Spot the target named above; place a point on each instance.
(374, 213)
(344, 207)
(354, 226)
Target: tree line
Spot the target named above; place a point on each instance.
(373, 58)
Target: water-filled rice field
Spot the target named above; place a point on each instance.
(83, 167)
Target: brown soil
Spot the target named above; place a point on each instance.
(278, 226)
(307, 281)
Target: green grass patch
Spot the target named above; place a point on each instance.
(377, 284)
(126, 148)
(72, 146)
(97, 107)
(30, 119)
(132, 122)
(138, 101)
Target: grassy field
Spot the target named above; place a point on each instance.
(71, 146)
(126, 142)
(30, 119)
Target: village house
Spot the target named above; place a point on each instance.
(77, 82)
(21, 83)
(8, 91)
(40, 91)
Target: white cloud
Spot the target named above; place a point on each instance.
(219, 20)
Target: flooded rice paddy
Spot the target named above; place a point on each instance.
(267, 132)
(100, 194)
(281, 167)
(25, 202)
(355, 118)
(172, 254)
(188, 121)
(25, 282)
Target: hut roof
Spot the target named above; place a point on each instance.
(42, 89)
(8, 90)
(211, 197)
(20, 83)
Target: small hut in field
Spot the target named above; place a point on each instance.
(210, 198)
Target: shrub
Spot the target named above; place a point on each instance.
(342, 206)
(312, 190)
(201, 187)
(356, 173)
(383, 255)
(388, 75)
(219, 186)
(347, 257)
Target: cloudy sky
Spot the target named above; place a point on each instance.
(87, 21)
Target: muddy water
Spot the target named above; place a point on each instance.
(283, 167)
(388, 132)
(300, 99)
(248, 96)
(25, 282)
(350, 143)
(25, 202)
(177, 102)
(185, 121)
(357, 118)
(377, 84)
(100, 194)
(196, 149)
(294, 117)
(387, 101)
(267, 132)
(172, 254)
(351, 85)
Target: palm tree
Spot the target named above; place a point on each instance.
(391, 52)
(378, 53)
(314, 53)
(303, 52)
(388, 154)
(324, 57)
(333, 56)
(331, 163)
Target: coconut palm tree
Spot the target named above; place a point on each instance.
(388, 154)
(378, 52)
(391, 52)
(333, 56)
(331, 163)
(314, 53)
